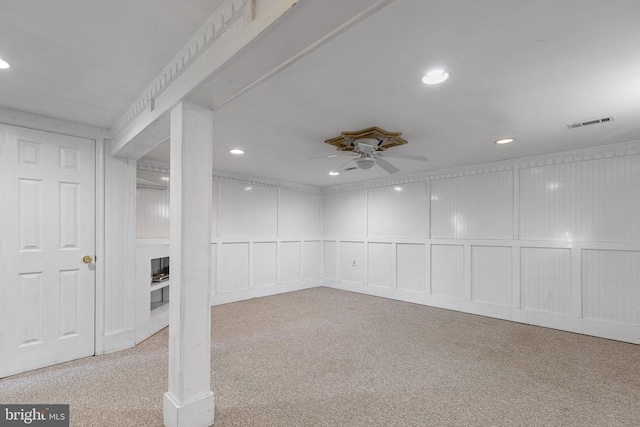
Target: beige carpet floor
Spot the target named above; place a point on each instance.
(323, 357)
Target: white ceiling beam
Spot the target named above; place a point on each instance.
(243, 43)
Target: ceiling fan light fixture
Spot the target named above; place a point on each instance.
(365, 163)
(505, 141)
(4, 64)
(435, 77)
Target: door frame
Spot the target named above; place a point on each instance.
(63, 127)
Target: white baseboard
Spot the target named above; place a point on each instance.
(159, 320)
(609, 330)
(119, 341)
(227, 297)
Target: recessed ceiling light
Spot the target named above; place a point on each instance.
(334, 173)
(4, 64)
(236, 151)
(434, 77)
(505, 141)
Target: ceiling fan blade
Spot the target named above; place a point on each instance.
(344, 166)
(331, 156)
(405, 156)
(386, 166)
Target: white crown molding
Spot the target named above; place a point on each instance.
(580, 155)
(265, 182)
(226, 176)
(50, 124)
(225, 17)
(153, 167)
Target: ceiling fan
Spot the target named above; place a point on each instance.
(366, 147)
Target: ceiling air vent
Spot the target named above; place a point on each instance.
(591, 122)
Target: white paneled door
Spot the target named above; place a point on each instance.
(47, 227)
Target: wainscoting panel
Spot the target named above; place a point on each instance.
(411, 267)
(329, 268)
(379, 265)
(491, 277)
(152, 213)
(345, 214)
(351, 261)
(299, 214)
(233, 269)
(447, 270)
(398, 211)
(312, 255)
(611, 286)
(290, 262)
(595, 200)
(247, 210)
(264, 265)
(546, 280)
(473, 207)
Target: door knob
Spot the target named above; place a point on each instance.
(87, 259)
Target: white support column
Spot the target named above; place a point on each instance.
(189, 401)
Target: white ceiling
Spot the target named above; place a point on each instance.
(88, 60)
(518, 68)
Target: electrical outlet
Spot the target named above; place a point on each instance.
(353, 264)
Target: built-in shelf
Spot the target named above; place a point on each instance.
(157, 305)
(159, 285)
(152, 306)
(159, 290)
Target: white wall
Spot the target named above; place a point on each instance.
(152, 213)
(552, 241)
(266, 238)
(119, 298)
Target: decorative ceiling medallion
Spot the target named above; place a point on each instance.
(346, 140)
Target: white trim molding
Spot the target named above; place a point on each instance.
(223, 19)
(223, 59)
(50, 124)
(227, 176)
